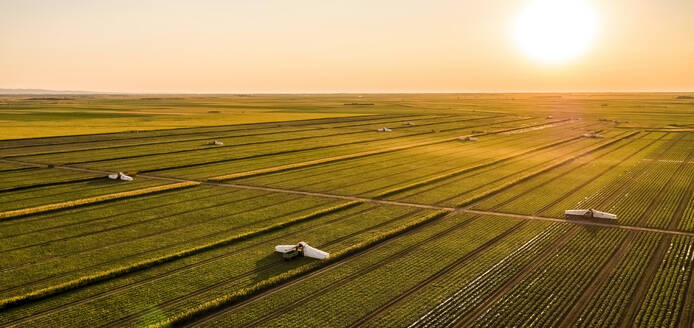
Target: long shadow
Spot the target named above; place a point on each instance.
(273, 264)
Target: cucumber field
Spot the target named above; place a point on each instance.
(438, 210)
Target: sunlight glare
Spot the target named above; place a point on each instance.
(555, 31)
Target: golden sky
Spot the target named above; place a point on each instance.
(333, 46)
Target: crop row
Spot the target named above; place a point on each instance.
(677, 190)
(452, 191)
(147, 263)
(605, 190)
(547, 168)
(665, 296)
(608, 305)
(268, 265)
(597, 193)
(293, 160)
(182, 132)
(156, 232)
(78, 217)
(363, 150)
(93, 200)
(305, 149)
(555, 286)
(173, 287)
(13, 200)
(493, 156)
(439, 157)
(536, 193)
(39, 177)
(687, 220)
(370, 184)
(382, 178)
(444, 301)
(179, 147)
(238, 143)
(374, 273)
(634, 201)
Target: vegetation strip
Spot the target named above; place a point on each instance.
(158, 307)
(252, 126)
(339, 158)
(144, 264)
(444, 176)
(629, 315)
(531, 174)
(515, 280)
(598, 280)
(124, 320)
(94, 200)
(437, 275)
(222, 301)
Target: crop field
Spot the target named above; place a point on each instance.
(455, 218)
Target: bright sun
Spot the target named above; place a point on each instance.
(555, 31)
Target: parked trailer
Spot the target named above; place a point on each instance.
(590, 214)
(301, 249)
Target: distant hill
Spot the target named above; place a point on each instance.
(43, 92)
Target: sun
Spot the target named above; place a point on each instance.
(555, 31)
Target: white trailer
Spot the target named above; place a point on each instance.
(301, 249)
(120, 176)
(590, 214)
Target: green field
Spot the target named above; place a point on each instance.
(424, 228)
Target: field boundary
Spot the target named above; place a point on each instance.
(222, 301)
(93, 200)
(144, 264)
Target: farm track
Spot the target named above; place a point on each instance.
(329, 268)
(467, 320)
(162, 306)
(466, 209)
(641, 288)
(437, 275)
(170, 273)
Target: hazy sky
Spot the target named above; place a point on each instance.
(332, 46)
